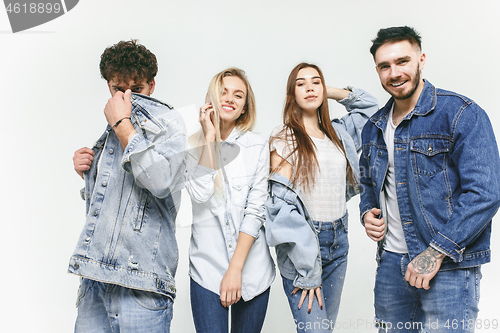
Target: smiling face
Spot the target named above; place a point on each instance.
(232, 100)
(308, 89)
(141, 87)
(398, 66)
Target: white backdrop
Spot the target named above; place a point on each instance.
(52, 101)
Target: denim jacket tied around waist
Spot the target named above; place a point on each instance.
(132, 197)
(447, 174)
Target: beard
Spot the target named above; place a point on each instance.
(415, 79)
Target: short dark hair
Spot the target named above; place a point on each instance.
(128, 60)
(395, 34)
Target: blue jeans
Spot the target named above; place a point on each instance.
(104, 307)
(450, 305)
(210, 316)
(334, 246)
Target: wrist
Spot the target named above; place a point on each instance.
(235, 268)
(120, 121)
(436, 254)
(210, 138)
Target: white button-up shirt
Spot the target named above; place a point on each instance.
(219, 217)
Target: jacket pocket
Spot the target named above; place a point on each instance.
(142, 211)
(429, 155)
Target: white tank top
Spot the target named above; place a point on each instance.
(325, 200)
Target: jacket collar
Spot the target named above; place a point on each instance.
(425, 104)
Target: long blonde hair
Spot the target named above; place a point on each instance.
(244, 123)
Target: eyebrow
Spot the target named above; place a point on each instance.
(397, 60)
(313, 77)
(236, 91)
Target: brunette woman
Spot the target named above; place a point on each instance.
(314, 166)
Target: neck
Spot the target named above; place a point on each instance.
(225, 130)
(310, 120)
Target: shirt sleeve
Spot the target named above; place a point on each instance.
(475, 155)
(156, 156)
(254, 215)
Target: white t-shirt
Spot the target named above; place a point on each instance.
(395, 238)
(325, 199)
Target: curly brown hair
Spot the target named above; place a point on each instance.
(128, 60)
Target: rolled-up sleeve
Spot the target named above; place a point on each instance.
(254, 215)
(360, 106)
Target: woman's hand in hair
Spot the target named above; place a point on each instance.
(205, 120)
(311, 293)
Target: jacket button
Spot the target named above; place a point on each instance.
(380, 153)
(95, 212)
(111, 151)
(230, 246)
(87, 239)
(104, 183)
(77, 266)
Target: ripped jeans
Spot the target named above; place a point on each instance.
(450, 305)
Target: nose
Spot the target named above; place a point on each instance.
(227, 98)
(394, 72)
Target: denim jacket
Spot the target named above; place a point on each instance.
(447, 171)
(289, 226)
(132, 197)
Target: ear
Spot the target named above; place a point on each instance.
(422, 61)
(109, 87)
(152, 85)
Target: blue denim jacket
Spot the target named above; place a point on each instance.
(447, 174)
(289, 227)
(132, 197)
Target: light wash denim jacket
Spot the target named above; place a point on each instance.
(447, 174)
(132, 199)
(289, 226)
(219, 218)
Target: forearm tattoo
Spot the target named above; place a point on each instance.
(426, 262)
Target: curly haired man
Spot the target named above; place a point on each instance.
(127, 253)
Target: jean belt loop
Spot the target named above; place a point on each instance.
(319, 227)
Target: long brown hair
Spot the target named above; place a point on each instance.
(294, 133)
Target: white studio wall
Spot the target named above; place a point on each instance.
(53, 98)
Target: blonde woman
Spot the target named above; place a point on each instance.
(229, 261)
